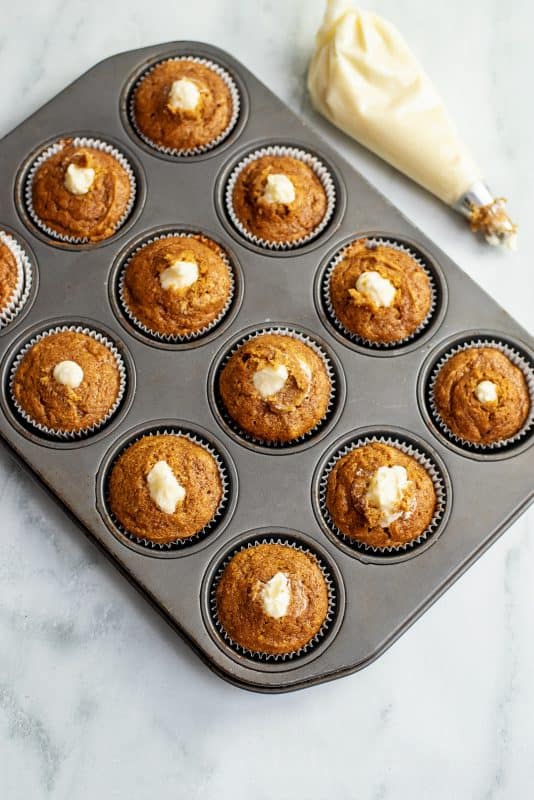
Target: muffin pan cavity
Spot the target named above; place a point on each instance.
(427, 326)
(309, 408)
(333, 370)
(55, 436)
(170, 341)
(520, 356)
(27, 278)
(411, 446)
(299, 542)
(227, 475)
(52, 148)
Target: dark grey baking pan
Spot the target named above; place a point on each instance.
(272, 492)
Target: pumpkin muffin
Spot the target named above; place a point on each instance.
(379, 293)
(177, 285)
(164, 488)
(81, 192)
(67, 381)
(279, 198)
(275, 388)
(272, 598)
(9, 277)
(481, 396)
(379, 496)
(182, 104)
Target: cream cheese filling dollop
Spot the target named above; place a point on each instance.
(380, 291)
(279, 189)
(276, 595)
(269, 380)
(184, 95)
(486, 392)
(78, 180)
(365, 79)
(179, 275)
(68, 373)
(165, 490)
(386, 491)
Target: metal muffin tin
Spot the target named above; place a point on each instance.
(273, 491)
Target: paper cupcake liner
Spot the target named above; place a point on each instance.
(518, 359)
(414, 452)
(164, 337)
(354, 337)
(24, 280)
(77, 141)
(199, 149)
(57, 433)
(314, 163)
(274, 657)
(224, 475)
(301, 337)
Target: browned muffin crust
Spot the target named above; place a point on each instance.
(463, 413)
(8, 276)
(279, 222)
(293, 411)
(95, 215)
(359, 314)
(186, 310)
(129, 494)
(182, 130)
(239, 603)
(349, 507)
(56, 406)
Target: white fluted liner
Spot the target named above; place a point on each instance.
(56, 147)
(275, 657)
(408, 449)
(199, 149)
(24, 280)
(56, 433)
(526, 367)
(172, 338)
(328, 365)
(360, 340)
(320, 170)
(177, 544)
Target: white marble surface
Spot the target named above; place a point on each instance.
(98, 698)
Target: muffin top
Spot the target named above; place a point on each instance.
(67, 381)
(279, 198)
(81, 192)
(481, 396)
(379, 293)
(182, 104)
(177, 285)
(275, 387)
(380, 496)
(164, 487)
(272, 598)
(9, 276)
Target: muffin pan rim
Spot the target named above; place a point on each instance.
(425, 372)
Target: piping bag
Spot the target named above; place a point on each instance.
(364, 78)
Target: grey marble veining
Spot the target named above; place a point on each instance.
(98, 698)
